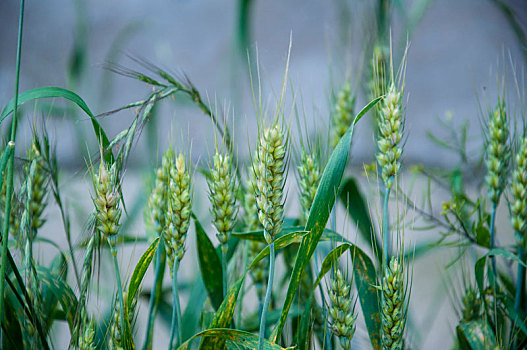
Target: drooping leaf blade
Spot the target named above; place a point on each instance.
(319, 214)
(209, 265)
(53, 91)
(139, 272)
(240, 339)
(352, 199)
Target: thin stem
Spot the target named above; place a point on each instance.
(267, 302)
(224, 248)
(156, 294)
(176, 311)
(242, 290)
(386, 226)
(119, 290)
(520, 281)
(492, 235)
(11, 165)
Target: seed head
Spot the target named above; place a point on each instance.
(390, 125)
(158, 201)
(393, 306)
(106, 201)
(116, 341)
(343, 115)
(269, 173)
(222, 194)
(309, 177)
(179, 210)
(342, 310)
(36, 182)
(497, 152)
(471, 306)
(519, 194)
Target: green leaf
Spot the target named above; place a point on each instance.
(318, 216)
(332, 257)
(357, 208)
(479, 268)
(240, 339)
(365, 281)
(59, 267)
(476, 335)
(192, 314)
(210, 266)
(62, 292)
(223, 317)
(139, 271)
(52, 91)
(225, 313)
(3, 161)
(365, 278)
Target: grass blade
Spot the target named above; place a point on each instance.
(139, 272)
(358, 212)
(210, 266)
(52, 91)
(240, 339)
(319, 214)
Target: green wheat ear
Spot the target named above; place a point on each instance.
(342, 310)
(269, 174)
(519, 194)
(390, 127)
(178, 211)
(393, 313)
(497, 152)
(343, 115)
(260, 271)
(471, 305)
(106, 201)
(36, 179)
(158, 201)
(222, 194)
(309, 178)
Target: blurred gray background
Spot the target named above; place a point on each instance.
(457, 51)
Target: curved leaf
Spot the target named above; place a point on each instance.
(242, 339)
(479, 268)
(476, 335)
(62, 292)
(53, 91)
(209, 265)
(318, 216)
(357, 209)
(139, 272)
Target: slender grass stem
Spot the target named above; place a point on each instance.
(267, 302)
(386, 226)
(176, 311)
(224, 269)
(245, 250)
(156, 294)
(119, 291)
(492, 235)
(520, 281)
(10, 165)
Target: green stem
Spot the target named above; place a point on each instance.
(492, 235)
(119, 289)
(267, 302)
(224, 248)
(10, 165)
(156, 294)
(176, 311)
(386, 226)
(242, 290)
(520, 281)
